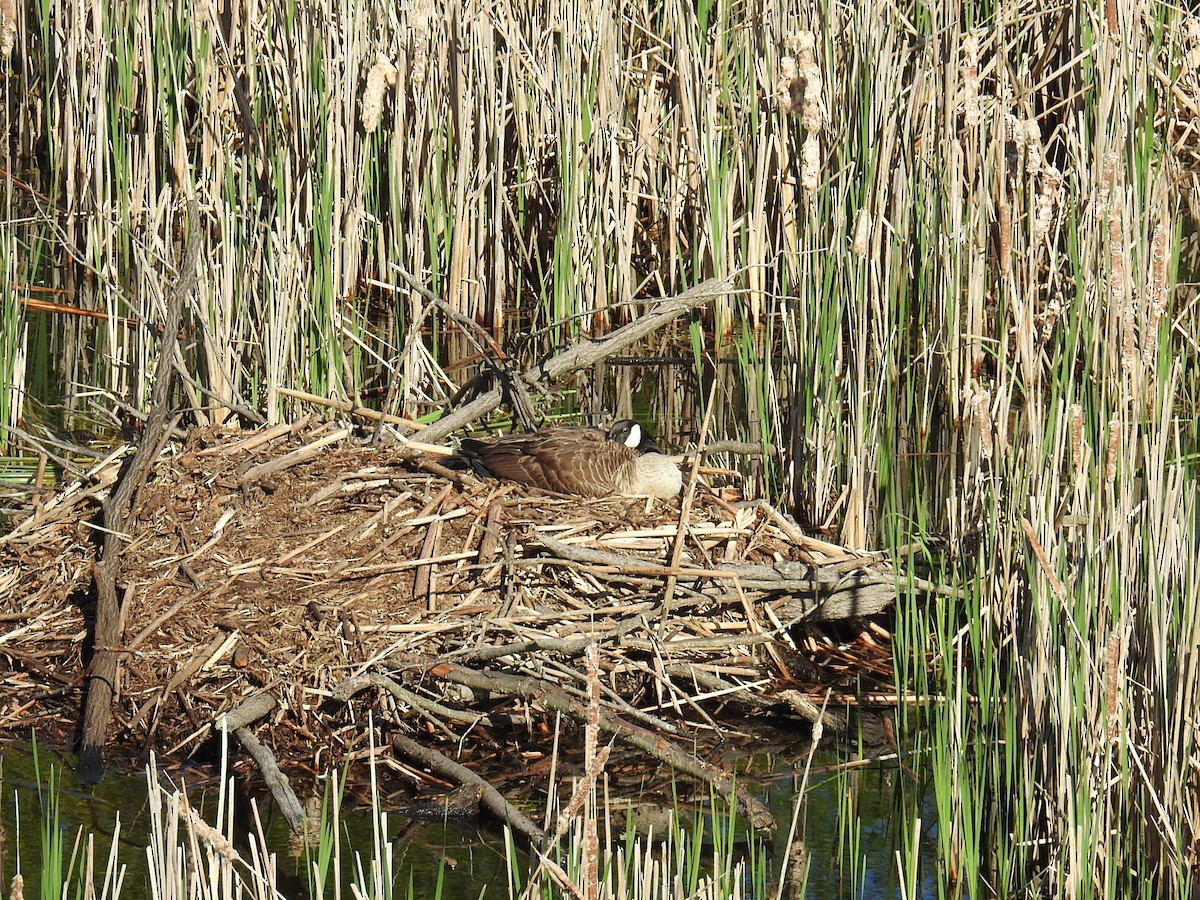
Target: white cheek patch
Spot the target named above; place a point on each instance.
(635, 437)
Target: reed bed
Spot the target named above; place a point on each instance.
(202, 844)
(964, 240)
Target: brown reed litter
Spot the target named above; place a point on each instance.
(306, 575)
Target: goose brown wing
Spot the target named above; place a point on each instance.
(582, 464)
(517, 461)
(569, 460)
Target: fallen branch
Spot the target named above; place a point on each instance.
(566, 646)
(492, 800)
(817, 714)
(737, 448)
(556, 699)
(833, 594)
(353, 409)
(237, 722)
(102, 675)
(583, 354)
(303, 454)
(351, 686)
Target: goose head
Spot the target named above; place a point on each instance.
(633, 436)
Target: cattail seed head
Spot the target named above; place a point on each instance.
(1047, 202)
(1112, 671)
(789, 90)
(8, 27)
(382, 76)
(970, 80)
(810, 162)
(983, 418)
(1035, 156)
(420, 16)
(1108, 170)
(1159, 245)
(812, 111)
(1114, 444)
(1191, 60)
(798, 92)
(1050, 316)
(862, 233)
(1004, 230)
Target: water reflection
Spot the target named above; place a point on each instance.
(848, 829)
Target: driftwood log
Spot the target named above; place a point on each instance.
(106, 649)
(812, 593)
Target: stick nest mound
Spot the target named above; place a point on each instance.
(301, 565)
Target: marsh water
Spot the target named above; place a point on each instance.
(846, 826)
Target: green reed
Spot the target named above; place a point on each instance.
(960, 320)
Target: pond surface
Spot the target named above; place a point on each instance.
(851, 822)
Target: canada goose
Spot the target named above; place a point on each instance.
(580, 460)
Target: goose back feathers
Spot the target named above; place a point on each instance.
(579, 460)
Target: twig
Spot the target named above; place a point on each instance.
(492, 800)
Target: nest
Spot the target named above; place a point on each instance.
(296, 576)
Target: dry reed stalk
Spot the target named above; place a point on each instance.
(1078, 447)
(593, 766)
(618, 150)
